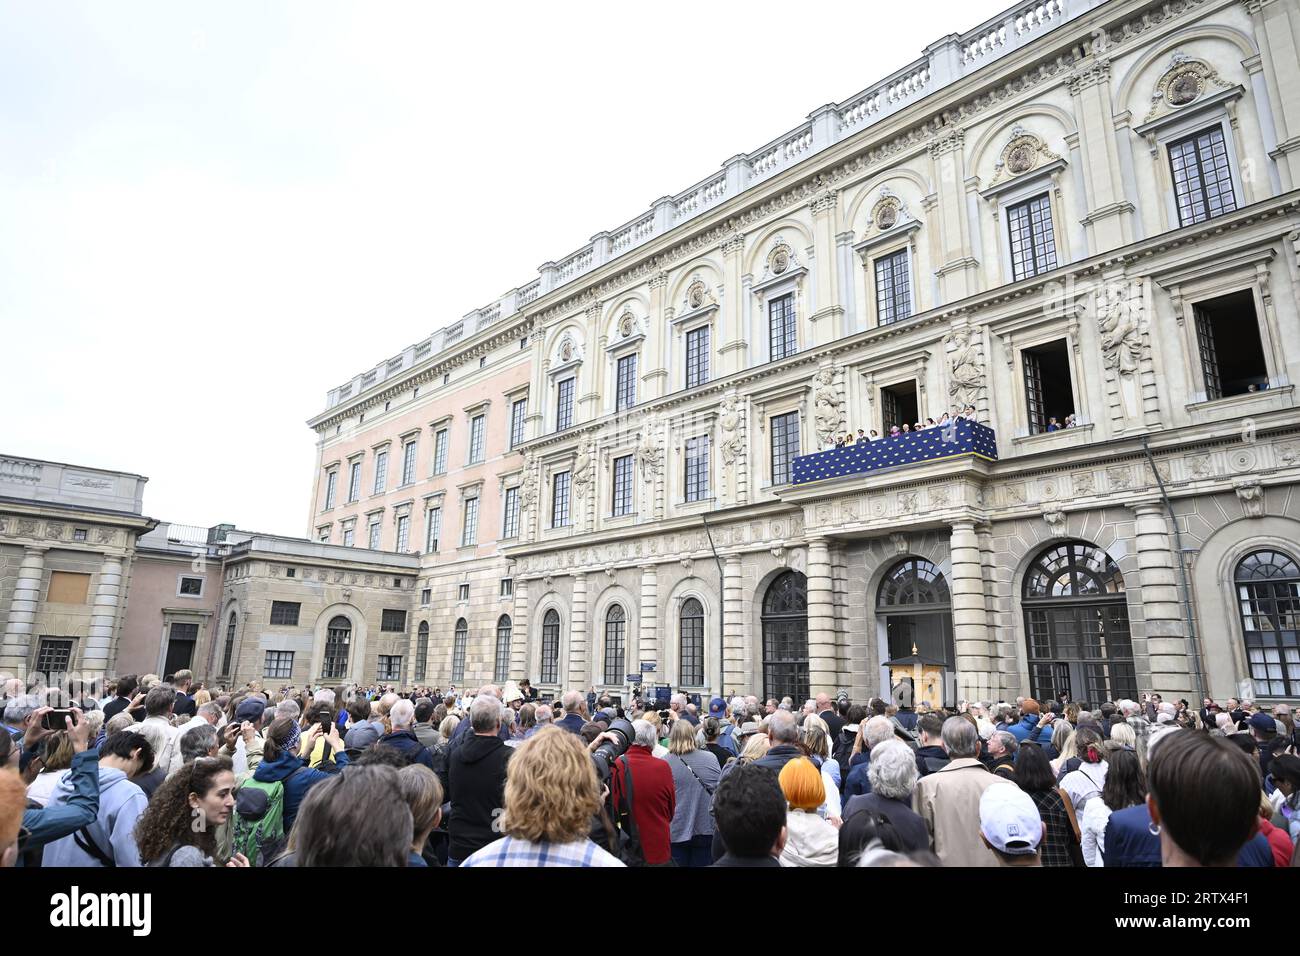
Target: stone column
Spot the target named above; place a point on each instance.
(822, 669)
(1166, 632)
(103, 616)
(16, 649)
(579, 640)
(1002, 669)
(958, 271)
(647, 638)
(728, 336)
(1110, 223)
(1277, 30)
(654, 376)
(519, 633)
(733, 628)
(843, 652)
(969, 613)
(825, 318)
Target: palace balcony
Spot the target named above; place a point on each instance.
(961, 438)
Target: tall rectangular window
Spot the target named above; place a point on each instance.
(432, 529)
(408, 462)
(469, 529)
(354, 481)
(381, 472)
(622, 486)
(278, 664)
(697, 468)
(331, 488)
(440, 452)
(349, 536)
(1202, 178)
(403, 533)
(564, 405)
(560, 500)
(697, 356)
(785, 446)
(477, 425)
(374, 531)
(510, 520)
(625, 389)
(1049, 396)
(781, 328)
(1033, 243)
(1231, 352)
(893, 288)
(518, 413)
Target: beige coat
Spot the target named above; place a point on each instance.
(949, 803)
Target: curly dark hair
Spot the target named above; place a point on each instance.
(168, 819)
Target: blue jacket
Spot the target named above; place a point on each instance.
(1027, 723)
(120, 805)
(727, 739)
(79, 808)
(406, 742)
(1130, 842)
(572, 723)
(283, 769)
(857, 783)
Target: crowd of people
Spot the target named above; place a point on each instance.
(1054, 424)
(164, 773)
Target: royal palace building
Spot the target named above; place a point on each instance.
(1079, 223)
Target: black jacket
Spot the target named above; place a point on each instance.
(729, 860)
(476, 776)
(406, 743)
(929, 759)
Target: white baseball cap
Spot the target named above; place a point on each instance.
(1009, 819)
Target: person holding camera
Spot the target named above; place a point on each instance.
(642, 784)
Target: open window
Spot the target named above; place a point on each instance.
(898, 405)
(1232, 356)
(1049, 392)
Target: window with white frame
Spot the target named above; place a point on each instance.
(278, 664)
(354, 480)
(403, 533)
(622, 500)
(426, 597)
(625, 387)
(390, 667)
(560, 500)
(507, 587)
(349, 536)
(785, 446)
(374, 532)
(469, 528)
(408, 462)
(331, 488)
(697, 356)
(564, 404)
(510, 519)
(518, 415)
(477, 425)
(1032, 239)
(782, 336)
(440, 441)
(462, 593)
(697, 468)
(1202, 176)
(432, 529)
(324, 536)
(381, 471)
(893, 287)
(189, 586)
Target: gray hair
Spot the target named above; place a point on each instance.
(1009, 740)
(544, 714)
(210, 709)
(152, 732)
(892, 770)
(678, 701)
(325, 698)
(782, 728)
(119, 721)
(960, 737)
(485, 713)
(877, 730)
(19, 709)
(572, 701)
(288, 708)
(197, 741)
(403, 714)
(1128, 707)
(646, 735)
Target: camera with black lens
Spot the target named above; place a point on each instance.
(610, 750)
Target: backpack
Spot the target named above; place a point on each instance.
(259, 819)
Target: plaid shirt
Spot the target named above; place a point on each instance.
(511, 852)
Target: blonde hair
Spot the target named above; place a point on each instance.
(757, 746)
(58, 752)
(1065, 750)
(801, 782)
(682, 738)
(96, 720)
(551, 789)
(423, 794)
(448, 726)
(202, 697)
(1123, 735)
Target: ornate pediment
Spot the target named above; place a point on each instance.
(1023, 153)
(1184, 82)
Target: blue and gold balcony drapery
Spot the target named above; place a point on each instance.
(961, 437)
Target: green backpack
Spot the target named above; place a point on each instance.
(259, 820)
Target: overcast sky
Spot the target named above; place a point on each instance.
(210, 214)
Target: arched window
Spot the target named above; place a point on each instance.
(1076, 624)
(785, 637)
(550, 647)
(615, 644)
(501, 673)
(1268, 596)
(337, 639)
(421, 650)
(916, 607)
(228, 653)
(692, 643)
(458, 652)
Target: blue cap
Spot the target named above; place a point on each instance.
(717, 707)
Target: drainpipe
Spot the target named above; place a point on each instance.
(722, 593)
(1193, 642)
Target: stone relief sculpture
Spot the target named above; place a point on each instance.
(1121, 332)
(828, 405)
(650, 452)
(965, 373)
(729, 421)
(528, 491)
(581, 477)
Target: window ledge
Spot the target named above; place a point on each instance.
(1065, 438)
(1279, 396)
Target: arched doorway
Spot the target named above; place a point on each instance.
(1268, 599)
(914, 607)
(785, 638)
(1076, 626)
